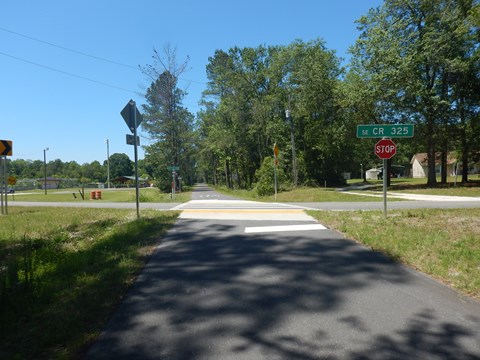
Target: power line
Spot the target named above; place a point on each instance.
(67, 73)
(86, 54)
(78, 76)
(70, 50)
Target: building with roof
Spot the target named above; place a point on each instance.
(129, 181)
(419, 164)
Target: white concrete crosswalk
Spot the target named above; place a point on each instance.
(283, 228)
(241, 210)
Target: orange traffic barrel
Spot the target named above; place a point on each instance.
(99, 195)
(92, 195)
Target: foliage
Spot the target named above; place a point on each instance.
(417, 61)
(300, 194)
(62, 272)
(248, 92)
(265, 178)
(120, 165)
(169, 124)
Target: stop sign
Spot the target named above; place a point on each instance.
(385, 149)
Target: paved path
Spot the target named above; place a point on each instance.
(284, 289)
(204, 198)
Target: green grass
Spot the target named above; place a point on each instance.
(442, 243)
(419, 186)
(108, 195)
(300, 194)
(62, 272)
(408, 185)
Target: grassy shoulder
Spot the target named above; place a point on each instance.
(62, 272)
(419, 186)
(444, 244)
(148, 195)
(300, 194)
(317, 194)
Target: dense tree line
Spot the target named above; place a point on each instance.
(415, 61)
(120, 165)
(248, 94)
(418, 61)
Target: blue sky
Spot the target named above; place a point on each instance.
(70, 103)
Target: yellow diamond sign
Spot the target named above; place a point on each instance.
(5, 148)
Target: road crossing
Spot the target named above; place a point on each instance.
(242, 210)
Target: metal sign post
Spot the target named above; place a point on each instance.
(385, 148)
(275, 163)
(5, 183)
(133, 118)
(2, 183)
(173, 169)
(5, 150)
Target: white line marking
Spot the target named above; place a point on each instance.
(179, 207)
(258, 229)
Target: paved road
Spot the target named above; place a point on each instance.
(203, 196)
(264, 289)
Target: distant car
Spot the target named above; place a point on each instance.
(380, 175)
(396, 171)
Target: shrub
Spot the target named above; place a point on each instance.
(265, 184)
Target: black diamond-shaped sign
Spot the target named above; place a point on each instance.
(131, 115)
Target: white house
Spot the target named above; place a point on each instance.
(419, 164)
(49, 182)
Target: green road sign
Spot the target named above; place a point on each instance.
(384, 130)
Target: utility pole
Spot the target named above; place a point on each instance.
(294, 157)
(45, 168)
(108, 163)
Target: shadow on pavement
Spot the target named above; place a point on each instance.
(211, 295)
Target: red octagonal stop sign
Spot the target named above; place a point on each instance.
(385, 149)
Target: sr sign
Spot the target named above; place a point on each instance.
(385, 149)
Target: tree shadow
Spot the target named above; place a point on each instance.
(425, 337)
(215, 293)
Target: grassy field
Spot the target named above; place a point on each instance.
(442, 243)
(319, 194)
(301, 194)
(62, 272)
(419, 186)
(108, 195)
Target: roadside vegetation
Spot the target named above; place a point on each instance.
(419, 186)
(301, 194)
(444, 244)
(63, 271)
(108, 195)
(371, 187)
